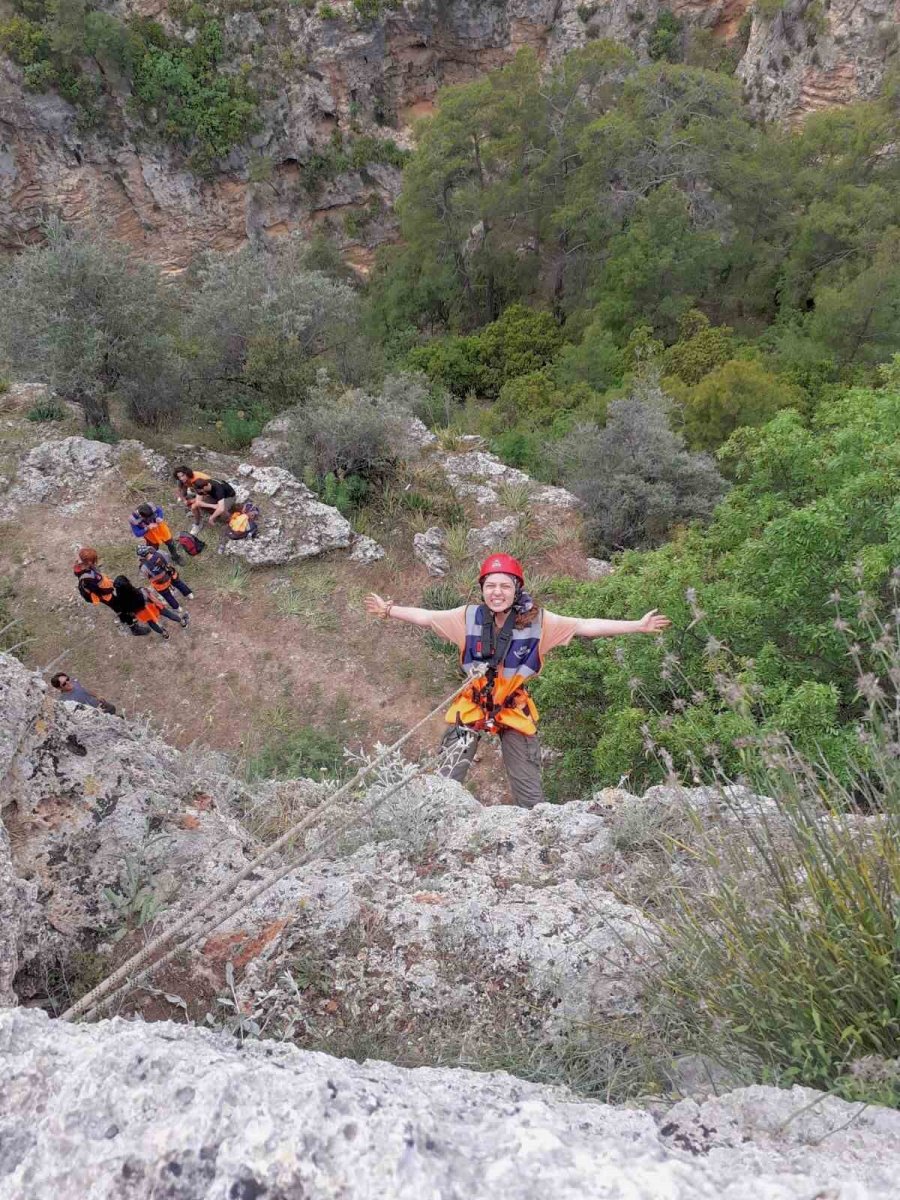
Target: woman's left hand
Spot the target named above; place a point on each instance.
(653, 622)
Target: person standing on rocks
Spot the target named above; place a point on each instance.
(148, 522)
(507, 637)
(74, 693)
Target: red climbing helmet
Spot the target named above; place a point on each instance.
(503, 563)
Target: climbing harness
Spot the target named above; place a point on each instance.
(188, 929)
(511, 657)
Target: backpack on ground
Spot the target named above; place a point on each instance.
(190, 544)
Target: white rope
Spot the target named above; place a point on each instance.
(91, 1002)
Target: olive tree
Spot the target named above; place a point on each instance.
(93, 322)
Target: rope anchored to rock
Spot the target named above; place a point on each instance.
(189, 929)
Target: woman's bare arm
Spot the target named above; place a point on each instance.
(377, 607)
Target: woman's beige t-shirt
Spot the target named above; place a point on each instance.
(450, 624)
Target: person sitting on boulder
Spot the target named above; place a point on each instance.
(243, 522)
(186, 481)
(157, 569)
(147, 522)
(93, 585)
(74, 693)
(508, 637)
(140, 609)
(215, 498)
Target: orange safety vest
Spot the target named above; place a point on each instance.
(158, 534)
(102, 583)
(239, 522)
(500, 700)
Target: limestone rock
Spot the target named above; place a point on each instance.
(293, 525)
(806, 57)
(87, 793)
(365, 550)
(122, 1108)
(77, 468)
(599, 568)
(492, 535)
(477, 475)
(429, 548)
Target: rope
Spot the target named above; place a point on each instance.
(90, 1001)
(206, 928)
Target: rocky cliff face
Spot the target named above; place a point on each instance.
(132, 1110)
(372, 77)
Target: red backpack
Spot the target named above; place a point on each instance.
(190, 544)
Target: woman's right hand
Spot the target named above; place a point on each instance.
(375, 606)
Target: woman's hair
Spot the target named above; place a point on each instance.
(182, 470)
(146, 510)
(55, 679)
(88, 555)
(524, 619)
(128, 598)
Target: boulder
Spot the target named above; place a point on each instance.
(77, 468)
(489, 537)
(293, 525)
(599, 568)
(477, 475)
(131, 1109)
(365, 550)
(429, 548)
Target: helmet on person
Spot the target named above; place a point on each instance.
(504, 564)
(144, 551)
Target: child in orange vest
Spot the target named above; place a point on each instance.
(147, 521)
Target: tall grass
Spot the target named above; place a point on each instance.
(782, 941)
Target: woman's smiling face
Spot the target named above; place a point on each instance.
(499, 592)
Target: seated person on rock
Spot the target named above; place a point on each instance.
(215, 499)
(507, 638)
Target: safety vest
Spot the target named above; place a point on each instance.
(158, 571)
(499, 698)
(93, 586)
(239, 523)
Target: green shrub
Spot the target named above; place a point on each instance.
(295, 753)
(101, 433)
(345, 494)
(635, 477)
(701, 348)
(806, 506)
(48, 409)
(666, 37)
(240, 426)
(738, 393)
(353, 434)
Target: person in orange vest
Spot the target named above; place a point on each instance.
(156, 568)
(148, 522)
(186, 481)
(93, 585)
(508, 637)
(140, 608)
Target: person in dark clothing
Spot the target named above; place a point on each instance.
(140, 609)
(157, 569)
(74, 693)
(215, 499)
